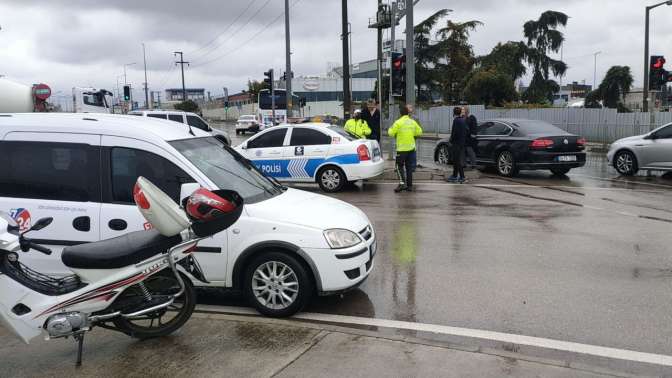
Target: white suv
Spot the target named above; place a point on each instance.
(191, 119)
(80, 169)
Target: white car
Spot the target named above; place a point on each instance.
(191, 119)
(651, 151)
(311, 152)
(247, 123)
(80, 169)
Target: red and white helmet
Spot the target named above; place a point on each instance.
(204, 205)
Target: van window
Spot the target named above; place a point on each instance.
(162, 116)
(128, 164)
(197, 123)
(176, 118)
(53, 171)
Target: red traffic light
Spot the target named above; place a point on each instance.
(659, 63)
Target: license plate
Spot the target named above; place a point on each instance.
(567, 158)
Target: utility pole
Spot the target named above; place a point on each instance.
(410, 55)
(380, 54)
(181, 62)
(393, 48)
(595, 70)
(288, 63)
(144, 58)
(347, 101)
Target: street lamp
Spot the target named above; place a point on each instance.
(125, 65)
(595, 70)
(645, 103)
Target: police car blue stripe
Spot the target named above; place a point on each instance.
(301, 168)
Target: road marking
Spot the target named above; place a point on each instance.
(565, 346)
(524, 186)
(622, 181)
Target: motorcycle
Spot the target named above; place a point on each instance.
(135, 284)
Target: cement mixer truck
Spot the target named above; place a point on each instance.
(20, 98)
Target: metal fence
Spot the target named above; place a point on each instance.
(596, 125)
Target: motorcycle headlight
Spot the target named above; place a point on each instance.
(340, 238)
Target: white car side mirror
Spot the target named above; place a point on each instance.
(187, 189)
(244, 146)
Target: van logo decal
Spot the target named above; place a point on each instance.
(22, 218)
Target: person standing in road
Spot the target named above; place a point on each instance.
(405, 130)
(357, 126)
(458, 139)
(372, 117)
(472, 143)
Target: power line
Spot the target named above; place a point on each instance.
(237, 30)
(225, 30)
(246, 41)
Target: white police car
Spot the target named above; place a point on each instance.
(310, 152)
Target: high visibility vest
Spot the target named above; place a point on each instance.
(358, 127)
(405, 130)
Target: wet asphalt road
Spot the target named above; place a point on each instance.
(584, 258)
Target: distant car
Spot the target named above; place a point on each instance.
(511, 145)
(311, 152)
(191, 119)
(651, 151)
(247, 123)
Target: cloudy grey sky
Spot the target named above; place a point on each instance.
(67, 43)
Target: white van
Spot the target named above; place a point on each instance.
(80, 169)
(191, 119)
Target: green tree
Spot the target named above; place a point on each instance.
(187, 106)
(490, 87)
(543, 37)
(508, 58)
(592, 100)
(254, 86)
(427, 56)
(616, 83)
(457, 58)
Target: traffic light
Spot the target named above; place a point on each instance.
(127, 93)
(658, 77)
(398, 74)
(268, 78)
(226, 104)
(284, 76)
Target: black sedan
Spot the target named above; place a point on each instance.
(511, 145)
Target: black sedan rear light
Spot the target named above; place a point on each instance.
(541, 144)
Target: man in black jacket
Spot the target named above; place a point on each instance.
(458, 139)
(472, 143)
(372, 117)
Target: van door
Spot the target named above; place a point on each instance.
(40, 177)
(123, 160)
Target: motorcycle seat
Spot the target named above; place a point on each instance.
(118, 252)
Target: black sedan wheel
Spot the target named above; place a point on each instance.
(506, 164)
(625, 163)
(443, 155)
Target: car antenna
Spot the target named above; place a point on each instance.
(190, 130)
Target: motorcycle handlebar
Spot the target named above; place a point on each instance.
(40, 248)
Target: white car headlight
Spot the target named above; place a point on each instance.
(340, 238)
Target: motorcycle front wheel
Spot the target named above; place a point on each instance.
(161, 322)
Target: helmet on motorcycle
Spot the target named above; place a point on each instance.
(205, 206)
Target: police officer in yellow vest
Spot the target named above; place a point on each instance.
(357, 126)
(405, 130)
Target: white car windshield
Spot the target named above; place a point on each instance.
(227, 169)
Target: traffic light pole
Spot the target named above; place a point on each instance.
(410, 55)
(390, 104)
(347, 100)
(645, 100)
(288, 64)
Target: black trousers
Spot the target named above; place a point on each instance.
(458, 161)
(405, 167)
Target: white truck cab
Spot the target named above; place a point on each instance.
(80, 169)
(191, 119)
